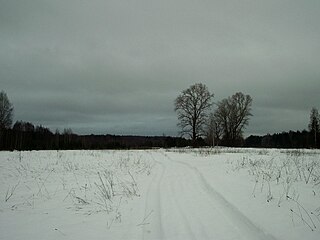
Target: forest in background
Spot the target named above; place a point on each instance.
(41, 138)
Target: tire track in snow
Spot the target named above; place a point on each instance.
(195, 207)
(181, 212)
(233, 217)
(185, 220)
(153, 229)
(185, 197)
(170, 222)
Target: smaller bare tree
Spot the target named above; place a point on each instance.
(192, 107)
(214, 131)
(314, 124)
(233, 116)
(6, 111)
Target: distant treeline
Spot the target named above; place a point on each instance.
(27, 137)
(291, 139)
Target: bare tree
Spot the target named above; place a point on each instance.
(314, 123)
(6, 111)
(214, 131)
(192, 107)
(233, 116)
(221, 116)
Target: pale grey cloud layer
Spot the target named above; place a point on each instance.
(116, 66)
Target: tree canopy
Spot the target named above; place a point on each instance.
(192, 107)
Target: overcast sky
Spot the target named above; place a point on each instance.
(116, 66)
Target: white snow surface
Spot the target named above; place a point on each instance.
(220, 193)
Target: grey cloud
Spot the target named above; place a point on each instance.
(117, 66)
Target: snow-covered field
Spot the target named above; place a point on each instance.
(222, 193)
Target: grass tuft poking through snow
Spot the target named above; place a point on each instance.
(82, 182)
(287, 177)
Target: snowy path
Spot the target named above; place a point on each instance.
(159, 194)
(182, 205)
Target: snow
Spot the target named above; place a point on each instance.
(221, 193)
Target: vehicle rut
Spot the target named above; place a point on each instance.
(186, 206)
